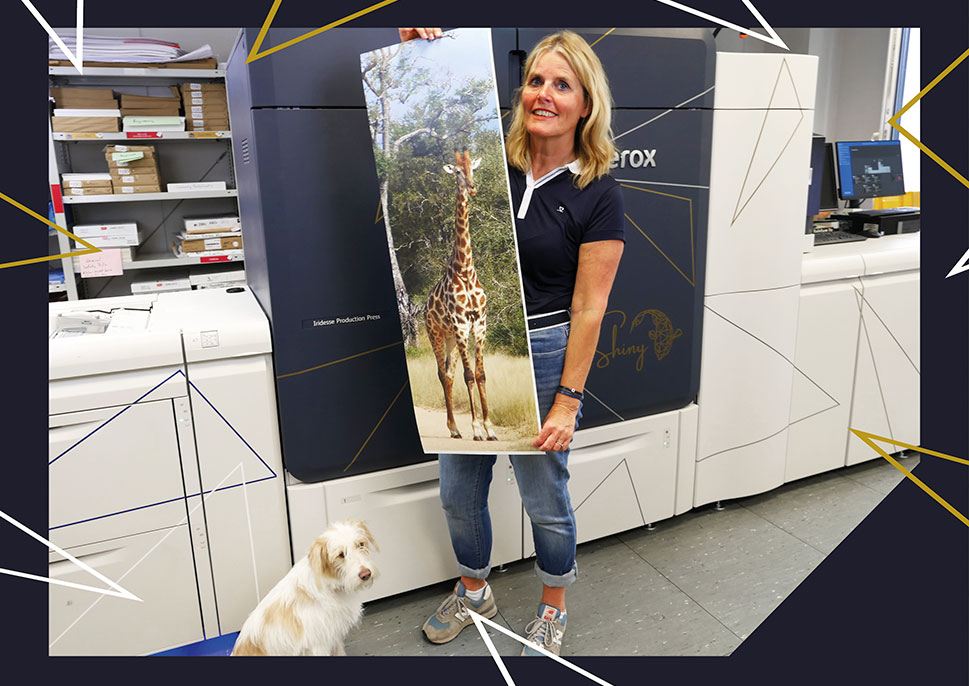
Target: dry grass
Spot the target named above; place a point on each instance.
(511, 393)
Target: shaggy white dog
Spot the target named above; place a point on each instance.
(312, 608)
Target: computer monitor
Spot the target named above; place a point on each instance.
(869, 169)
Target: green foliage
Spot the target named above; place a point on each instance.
(411, 152)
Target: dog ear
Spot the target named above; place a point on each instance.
(319, 558)
(366, 532)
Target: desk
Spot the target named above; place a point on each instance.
(857, 352)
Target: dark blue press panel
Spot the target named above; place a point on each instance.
(318, 262)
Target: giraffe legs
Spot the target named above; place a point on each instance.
(442, 347)
(479, 337)
(476, 424)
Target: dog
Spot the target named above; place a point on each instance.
(312, 608)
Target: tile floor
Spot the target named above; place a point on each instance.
(698, 584)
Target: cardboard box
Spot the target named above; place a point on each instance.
(190, 87)
(202, 101)
(122, 181)
(153, 112)
(210, 110)
(149, 188)
(211, 224)
(109, 242)
(84, 124)
(207, 125)
(149, 150)
(119, 173)
(89, 187)
(200, 244)
(144, 164)
(129, 100)
(91, 190)
(85, 98)
(207, 63)
(85, 180)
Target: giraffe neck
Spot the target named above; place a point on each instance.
(461, 254)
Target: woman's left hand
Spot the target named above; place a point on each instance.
(556, 433)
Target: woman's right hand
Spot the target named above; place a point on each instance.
(411, 34)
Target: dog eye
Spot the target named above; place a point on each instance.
(361, 544)
(341, 556)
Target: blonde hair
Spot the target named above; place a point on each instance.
(593, 136)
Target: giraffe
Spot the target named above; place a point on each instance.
(455, 312)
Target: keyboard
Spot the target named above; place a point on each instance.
(837, 236)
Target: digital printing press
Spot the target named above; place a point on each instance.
(689, 158)
(314, 253)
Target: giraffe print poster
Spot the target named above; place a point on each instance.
(444, 199)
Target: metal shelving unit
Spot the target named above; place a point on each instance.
(144, 197)
(184, 156)
(135, 136)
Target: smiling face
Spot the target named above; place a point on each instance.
(553, 99)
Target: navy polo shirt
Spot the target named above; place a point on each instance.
(559, 218)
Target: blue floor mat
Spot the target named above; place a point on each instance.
(220, 645)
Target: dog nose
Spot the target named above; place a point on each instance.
(364, 574)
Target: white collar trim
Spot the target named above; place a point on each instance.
(531, 184)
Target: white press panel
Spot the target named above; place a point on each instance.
(886, 401)
(402, 509)
(760, 165)
(622, 476)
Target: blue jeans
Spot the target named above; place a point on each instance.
(542, 480)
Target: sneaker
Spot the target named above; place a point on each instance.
(545, 630)
(452, 616)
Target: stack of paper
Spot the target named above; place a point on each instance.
(84, 110)
(135, 49)
(153, 123)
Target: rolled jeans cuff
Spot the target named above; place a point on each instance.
(474, 573)
(557, 580)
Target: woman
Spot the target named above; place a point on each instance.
(569, 223)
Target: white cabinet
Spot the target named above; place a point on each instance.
(157, 566)
(886, 400)
(827, 336)
(758, 195)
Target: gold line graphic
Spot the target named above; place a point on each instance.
(692, 249)
(381, 421)
(866, 437)
(379, 214)
(254, 53)
(660, 250)
(592, 45)
(91, 248)
(327, 364)
(893, 122)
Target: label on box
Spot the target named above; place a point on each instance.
(121, 148)
(195, 86)
(104, 263)
(127, 190)
(123, 171)
(212, 243)
(128, 179)
(75, 184)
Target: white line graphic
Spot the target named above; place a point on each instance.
(479, 621)
(252, 543)
(771, 38)
(961, 266)
(117, 592)
(76, 60)
(658, 116)
(150, 551)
